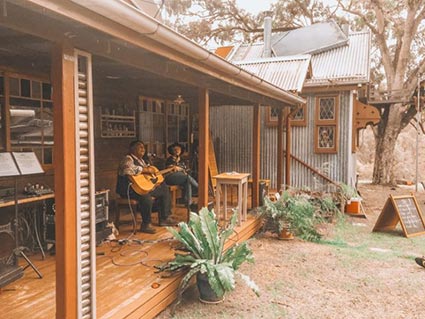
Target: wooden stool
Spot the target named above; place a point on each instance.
(123, 203)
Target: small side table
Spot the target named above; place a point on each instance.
(241, 181)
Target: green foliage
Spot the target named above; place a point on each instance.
(299, 212)
(203, 243)
(347, 191)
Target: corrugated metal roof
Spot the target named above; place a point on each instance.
(246, 52)
(347, 64)
(288, 73)
(344, 65)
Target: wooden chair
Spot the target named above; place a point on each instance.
(123, 204)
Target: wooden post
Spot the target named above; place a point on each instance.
(65, 181)
(280, 149)
(203, 106)
(256, 157)
(6, 114)
(288, 152)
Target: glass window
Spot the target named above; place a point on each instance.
(326, 124)
(14, 86)
(31, 118)
(25, 88)
(36, 89)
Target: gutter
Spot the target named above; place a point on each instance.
(124, 14)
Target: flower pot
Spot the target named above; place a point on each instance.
(352, 206)
(285, 234)
(206, 293)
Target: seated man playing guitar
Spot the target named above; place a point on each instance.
(134, 167)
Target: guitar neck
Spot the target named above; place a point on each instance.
(164, 171)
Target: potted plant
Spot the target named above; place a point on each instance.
(292, 213)
(203, 255)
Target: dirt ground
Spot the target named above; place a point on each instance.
(352, 273)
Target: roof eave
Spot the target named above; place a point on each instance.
(126, 15)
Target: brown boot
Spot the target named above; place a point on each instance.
(146, 228)
(169, 221)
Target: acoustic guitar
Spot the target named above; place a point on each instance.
(145, 183)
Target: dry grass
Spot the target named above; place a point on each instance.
(352, 273)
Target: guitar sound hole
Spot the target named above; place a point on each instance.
(154, 180)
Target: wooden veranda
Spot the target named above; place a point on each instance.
(92, 53)
(128, 285)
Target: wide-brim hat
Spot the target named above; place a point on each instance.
(170, 148)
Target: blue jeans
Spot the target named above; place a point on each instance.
(185, 180)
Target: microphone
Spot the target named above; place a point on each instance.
(151, 154)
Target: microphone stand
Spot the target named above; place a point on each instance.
(19, 250)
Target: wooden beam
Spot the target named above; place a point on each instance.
(103, 37)
(288, 151)
(256, 156)
(280, 149)
(204, 134)
(6, 113)
(65, 181)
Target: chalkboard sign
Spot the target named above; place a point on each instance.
(403, 209)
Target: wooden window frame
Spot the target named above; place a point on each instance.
(44, 150)
(169, 110)
(303, 121)
(272, 121)
(326, 122)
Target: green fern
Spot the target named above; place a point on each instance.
(204, 242)
(300, 212)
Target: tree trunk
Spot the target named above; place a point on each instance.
(388, 130)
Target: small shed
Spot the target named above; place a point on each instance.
(327, 67)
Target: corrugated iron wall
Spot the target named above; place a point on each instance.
(231, 128)
(336, 166)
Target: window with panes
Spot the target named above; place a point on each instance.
(326, 124)
(29, 108)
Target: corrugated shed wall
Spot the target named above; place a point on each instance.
(336, 166)
(231, 128)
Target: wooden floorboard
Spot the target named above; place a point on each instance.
(125, 274)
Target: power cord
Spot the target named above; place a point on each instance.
(133, 216)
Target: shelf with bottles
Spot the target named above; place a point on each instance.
(116, 123)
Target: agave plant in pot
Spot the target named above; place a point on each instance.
(293, 214)
(203, 254)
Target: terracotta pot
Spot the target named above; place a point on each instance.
(352, 206)
(286, 234)
(206, 293)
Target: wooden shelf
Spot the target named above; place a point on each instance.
(113, 126)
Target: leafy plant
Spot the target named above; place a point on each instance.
(293, 211)
(203, 243)
(347, 191)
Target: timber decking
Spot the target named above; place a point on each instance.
(125, 275)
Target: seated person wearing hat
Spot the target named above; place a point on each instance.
(135, 163)
(180, 176)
